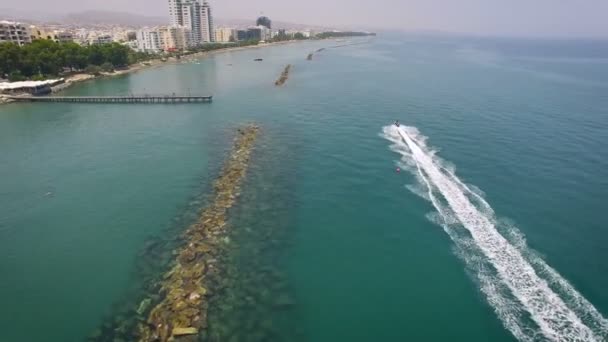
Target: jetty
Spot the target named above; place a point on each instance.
(187, 288)
(131, 99)
(284, 76)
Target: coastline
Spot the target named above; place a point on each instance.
(79, 78)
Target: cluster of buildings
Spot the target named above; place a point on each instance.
(262, 31)
(21, 34)
(190, 25)
(14, 32)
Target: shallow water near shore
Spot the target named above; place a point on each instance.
(327, 241)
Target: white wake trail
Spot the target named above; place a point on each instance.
(511, 270)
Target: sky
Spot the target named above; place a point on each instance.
(538, 18)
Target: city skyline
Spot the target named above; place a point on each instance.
(485, 17)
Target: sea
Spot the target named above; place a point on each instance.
(478, 218)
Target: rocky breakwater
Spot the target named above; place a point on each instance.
(284, 76)
(181, 313)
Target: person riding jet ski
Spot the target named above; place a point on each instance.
(397, 123)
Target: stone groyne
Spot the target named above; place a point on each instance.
(181, 312)
(284, 76)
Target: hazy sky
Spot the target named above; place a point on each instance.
(493, 17)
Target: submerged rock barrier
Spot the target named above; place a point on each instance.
(284, 76)
(181, 312)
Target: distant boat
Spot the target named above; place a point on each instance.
(258, 59)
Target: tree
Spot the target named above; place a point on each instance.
(75, 56)
(107, 67)
(10, 58)
(16, 76)
(96, 55)
(93, 70)
(116, 54)
(46, 58)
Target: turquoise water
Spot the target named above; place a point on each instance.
(361, 251)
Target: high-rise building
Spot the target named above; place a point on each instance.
(14, 32)
(194, 15)
(207, 32)
(175, 13)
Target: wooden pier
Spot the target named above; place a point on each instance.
(167, 99)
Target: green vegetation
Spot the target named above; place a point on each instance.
(107, 67)
(219, 46)
(280, 38)
(45, 58)
(211, 47)
(93, 70)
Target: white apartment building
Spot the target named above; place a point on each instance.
(194, 15)
(174, 38)
(166, 38)
(175, 13)
(207, 32)
(14, 32)
(265, 33)
(225, 35)
(149, 40)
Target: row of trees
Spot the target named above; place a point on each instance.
(46, 58)
(218, 46)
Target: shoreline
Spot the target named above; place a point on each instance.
(79, 78)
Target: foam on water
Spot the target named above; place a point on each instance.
(532, 300)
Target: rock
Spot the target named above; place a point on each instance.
(187, 256)
(143, 306)
(194, 296)
(184, 331)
